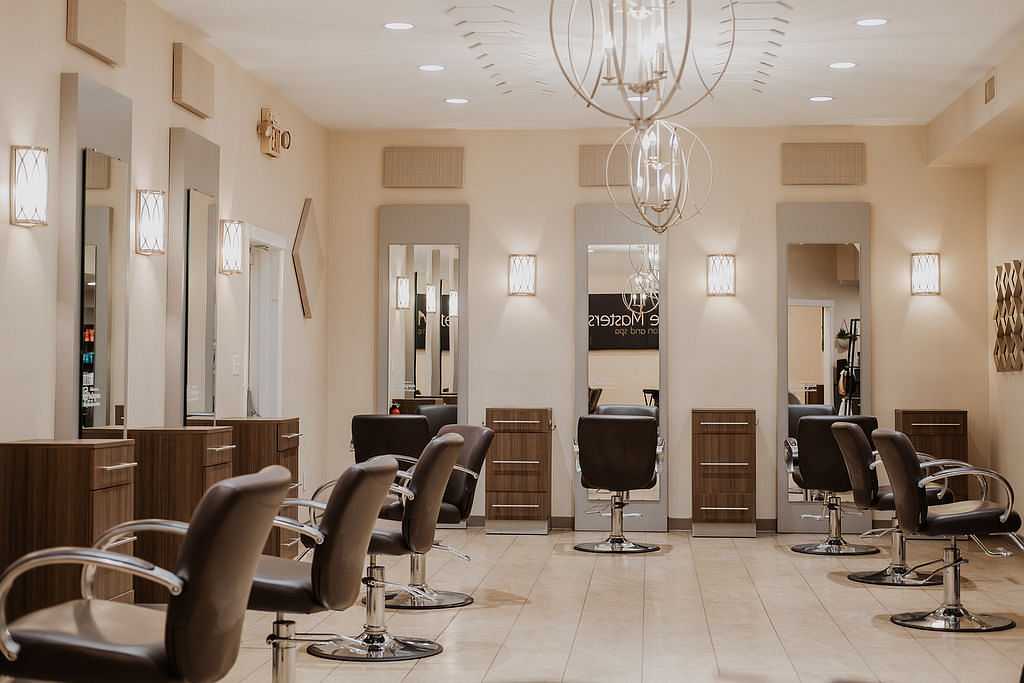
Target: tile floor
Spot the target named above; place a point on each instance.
(737, 611)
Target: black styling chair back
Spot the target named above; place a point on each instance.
(798, 411)
(374, 435)
(618, 452)
(348, 523)
(218, 558)
(438, 416)
(821, 464)
(627, 409)
(904, 470)
(429, 479)
(461, 487)
(858, 454)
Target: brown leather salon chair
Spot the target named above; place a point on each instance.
(374, 435)
(422, 500)
(438, 416)
(196, 639)
(861, 465)
(969, 518)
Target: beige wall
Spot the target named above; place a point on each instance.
(253, 188)
(522, 188)
(1005, 243)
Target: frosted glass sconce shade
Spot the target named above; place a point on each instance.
(431, 298)
(453, 304)
(402, 298)
(29, 186)
(722, 275)
(925, 274)
(522, 275)
(150, 222)
(230, 247)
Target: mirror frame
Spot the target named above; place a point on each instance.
(603, 224)
(91, 116)
(817, 223)
(194, 165)
(422, 224)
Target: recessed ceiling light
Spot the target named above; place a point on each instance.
(821, 98)
(398, 26)
(457, 100)
(872, 22)
(431, 67)
(840, 66)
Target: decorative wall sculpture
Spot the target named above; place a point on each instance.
(1008, 353)
(307, 259)
(273, 138)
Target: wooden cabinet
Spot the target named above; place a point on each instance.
(63, 493)
(940, 434)
(724, 472)
(518, 477)
(261, 442)
(176, 465)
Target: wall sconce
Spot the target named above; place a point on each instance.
(230, 247)
(925, 274)
(30, 183)
(402, 298)
(150, 226)
(453, 304)
(722, 275)
(522, 275)
(431, 298)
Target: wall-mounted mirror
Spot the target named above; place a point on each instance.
(824, 341)
(424, 299)
(201, 305)
(106, 238)
(620, 335)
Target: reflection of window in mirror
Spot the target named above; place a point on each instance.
(623, 317)
(824, 326)
(105, 249)
(201, 304)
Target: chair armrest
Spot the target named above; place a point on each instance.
(403, 475)
(406, 459)
(414, 461)
(122, 534)
(307, 530)
(402, 491)
(980, 472)
(81, 556)
(928, 462)
(576, 452)
(466, 471)
(792, 455)
(303, 503)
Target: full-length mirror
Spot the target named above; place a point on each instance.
(424, 307)
(201, 305)
(106, 237)
(824, 351)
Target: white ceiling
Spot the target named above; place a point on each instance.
(336, 61)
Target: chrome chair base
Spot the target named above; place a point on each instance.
(832, 546)
(953, 620)
(898, 577)
(617, 545)
(377, 647)
(434, 600)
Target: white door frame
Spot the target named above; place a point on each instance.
(269, 328)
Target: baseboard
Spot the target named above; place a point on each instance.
(680, 523)
(767, 525)
(556, 522)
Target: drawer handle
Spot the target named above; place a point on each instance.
(935, 424)
(292, 436)
(725, 464)
(292, 543)
(510, 505)
(294, 485)
(727, 509)
(516, 462)
(221, 449)
(118, 468)
(516, 422)
(724, 424)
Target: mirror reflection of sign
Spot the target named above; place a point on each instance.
(613, 326)
(444, 322)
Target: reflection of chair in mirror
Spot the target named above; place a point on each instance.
(196, 639)
(628, 409)
(970, 518)
(795, 412)
(618, 453)
(438, 416)
(593, 399)
(861, 465)
(374, 435)
(816, 464)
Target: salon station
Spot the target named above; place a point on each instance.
(625, 341)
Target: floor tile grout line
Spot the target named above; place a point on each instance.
(703, 607)
(643, 621)
(579, 619)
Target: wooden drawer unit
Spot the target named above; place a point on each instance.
(176, 465)
(724, 472)
(63, 493)
(940, 434)
(518, 476)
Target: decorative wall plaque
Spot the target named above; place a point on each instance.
(1008, 353)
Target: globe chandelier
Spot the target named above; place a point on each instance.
(643, 287)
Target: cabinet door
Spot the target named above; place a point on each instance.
(110, 507)
(211, 475)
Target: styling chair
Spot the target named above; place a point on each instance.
(965, 519)
(627, 409)
(374, 435)
(861, 465)
(618, 453)
(817, 466)
(456, 506)
(438, 416)
(196, 639)
(422, 501)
